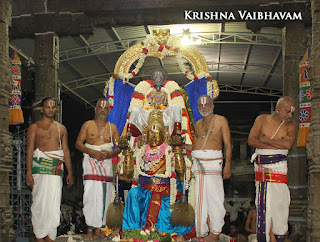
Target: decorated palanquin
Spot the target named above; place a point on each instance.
(158, 170)
(123, 96)
(151, 168)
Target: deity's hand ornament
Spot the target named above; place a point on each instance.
(127, 152)
(176, 142)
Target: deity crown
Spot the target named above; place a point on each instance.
(155, 118)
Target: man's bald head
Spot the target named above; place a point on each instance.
(285, 108)
(284, 100)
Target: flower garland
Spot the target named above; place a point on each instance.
(191, 194)
(155, 154)
(139, 166)
(210, 89)
(113, 193)
(120, 164)
(191, 77)
(190, 181)
(111, 92)
(176, 97)
(140, 92)
(136, 172)
(173, 43)
(140, 163)
(142, 235)
(173, 189)
(150, 160)
(188, 163)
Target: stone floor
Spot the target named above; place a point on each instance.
(77, 238)
(80, 238)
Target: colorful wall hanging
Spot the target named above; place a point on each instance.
(15, 111)
(305, 101)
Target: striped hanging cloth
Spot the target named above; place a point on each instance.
(305, 100)
(15, 111)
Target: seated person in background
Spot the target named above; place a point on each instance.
(234, 211)
(234, 233)
(251, 225)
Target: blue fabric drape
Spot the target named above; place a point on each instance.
(136, 210)
(195, 90)
(122, 98)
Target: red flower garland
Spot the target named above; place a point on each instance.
(175, 94)
(150, 82)
(145, 51)
(195, 77)
(157, 156)
(138, 95)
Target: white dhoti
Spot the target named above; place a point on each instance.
(46, 195)
(272, 193)
(252, 238)
(209, 191)
(97, 180)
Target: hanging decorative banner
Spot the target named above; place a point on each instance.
(119, 103)
(15, 111)
(305, 101)
(195, 90)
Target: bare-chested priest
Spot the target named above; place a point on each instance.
(273, 136)
(47, 150)
(212, 133)
(99, 136)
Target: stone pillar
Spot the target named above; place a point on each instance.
(6, 218)
(47, 64)
(294, 47)
(313, 146)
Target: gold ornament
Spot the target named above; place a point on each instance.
(155, 118)
(161, 36)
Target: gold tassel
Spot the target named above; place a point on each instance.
(115, 210)
(182, 214)
(114, 215)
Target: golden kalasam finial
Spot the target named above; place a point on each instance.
(161, 36)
